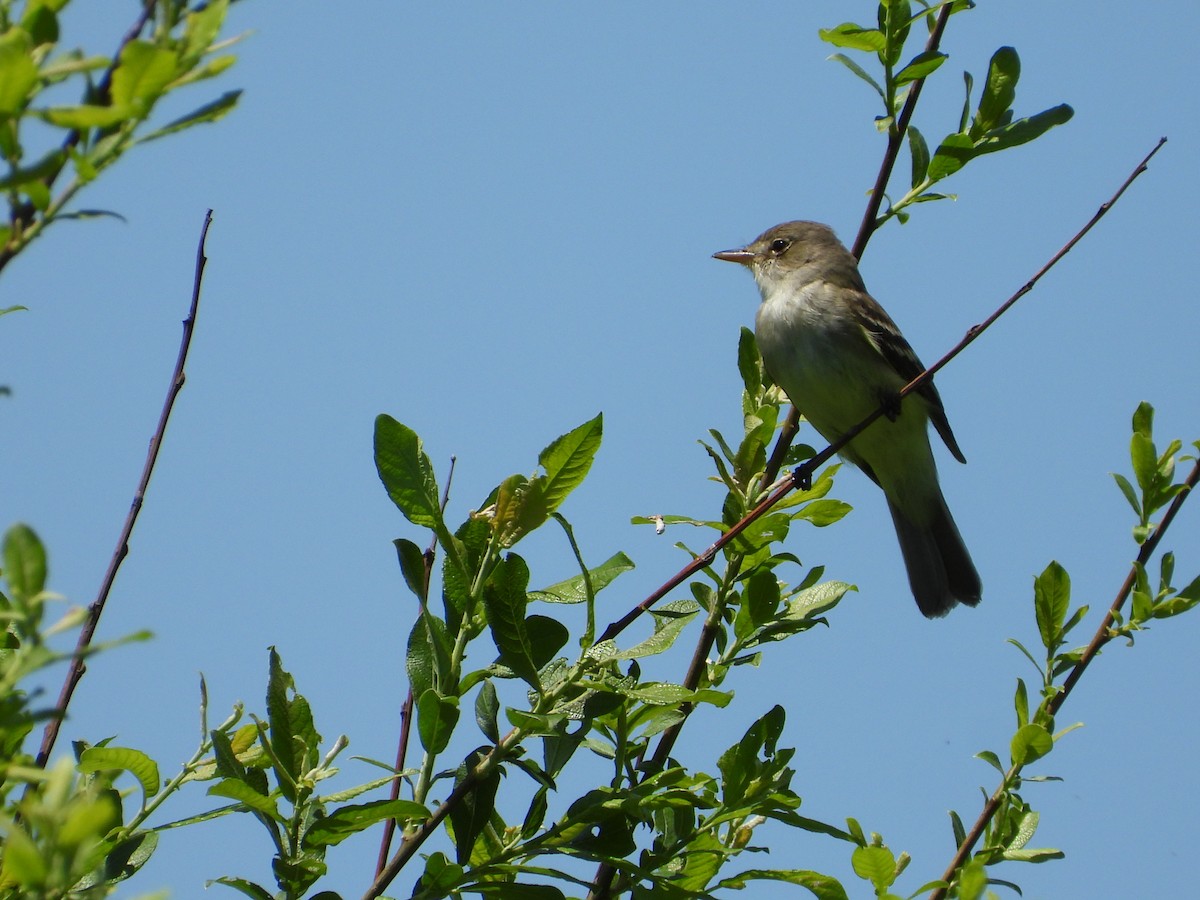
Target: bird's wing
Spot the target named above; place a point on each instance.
(886, 338)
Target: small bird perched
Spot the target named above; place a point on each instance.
(838, 356)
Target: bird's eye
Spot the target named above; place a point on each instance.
(779, 245)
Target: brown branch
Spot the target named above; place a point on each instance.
(802, 476)
(895, 139)
(78, 666)
(406, 709)
(1103, 635)
(866, 228)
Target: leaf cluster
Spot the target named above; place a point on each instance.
(991, 127)
(118, 97)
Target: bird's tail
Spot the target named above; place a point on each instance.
(940, 571)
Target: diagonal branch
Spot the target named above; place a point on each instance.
(867, 227)
(804, 472)
(78, 666)
(1102, 636)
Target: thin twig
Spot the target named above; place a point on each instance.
(803, 473)
(866, 228)
(1103, 635)
(406, 710)
(78, 666)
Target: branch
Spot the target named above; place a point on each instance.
(866, 228)
(406, 710)
(804, 472)
(1102, 636)
(78, 667)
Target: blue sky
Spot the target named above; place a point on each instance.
(491, 222)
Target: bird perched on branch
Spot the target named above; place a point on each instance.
(838, 356)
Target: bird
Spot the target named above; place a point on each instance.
(839, 356)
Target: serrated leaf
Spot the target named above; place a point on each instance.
(406, 472)
(567, 460)
(573, 590)
(666, 630)
(505, 600)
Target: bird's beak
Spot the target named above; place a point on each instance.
(743, 256)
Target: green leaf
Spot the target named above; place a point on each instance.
(919, 151)
(921, 65)
(574, 590)
(505, 600)
(209, 112)
(18, 71)
(1143, 419)
(669, 622)
(406, 472)
(412, 567)
(1034, 855)
(1022, 131)
(860, 72)
(294, 739)
(436, 718)
(1021, 703)
(824, 512)
(567, 460)
(521, 507)
(823, 887)
(992, 760)
(853, 37)
(81, 118)
(142, 75)
(1051, 599)
(487, 708)
(201, 29)
(470, 817)
(24, 561)
(1030, 743)
(874, 864)
(1129, 492)
(243, 886)
(749, 363)
(955, 151)
(1144, 458)
(246, 795)
(349, 820)
(999, 91)
(137, 763)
